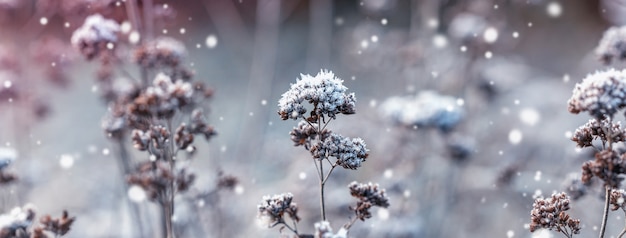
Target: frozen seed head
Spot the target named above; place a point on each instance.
(616, 199)
(324, 230)
(324, 91)
(17, 220)
(95, 34)
(273, 209)
(608, 166)
(163, 98)
(550, 214)
(601, 94)
(426, 109)
(350, 153)
(162, 51)
(595, 129)
(304, 133)
(612, 45)
(368, 195)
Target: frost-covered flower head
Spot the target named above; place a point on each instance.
(273, 208)
(7, 156)
(18, 218)
(585, 134)
(612, 45)
(549, 213)
(163, 97)
(162, 51)
(324, 230)
(324, 91)
(94, 34)
(368, 195)
(601, 94)
(616, 199)
(350, 153)
(426, 109)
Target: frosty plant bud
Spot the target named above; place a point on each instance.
(94, 35)
(324, 91)
(601, 94)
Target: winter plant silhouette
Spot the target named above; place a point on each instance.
(328, 96)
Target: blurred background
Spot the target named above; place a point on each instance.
(507, 66)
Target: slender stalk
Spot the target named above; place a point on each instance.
(125, 162)
(606, 210)
(322, 191)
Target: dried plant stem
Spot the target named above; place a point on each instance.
(125, 162)
(133, 16)
(606, 210)
(170, 191)
(167, 215)
(322, 205)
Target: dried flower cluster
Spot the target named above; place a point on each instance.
(594, 129)
(325, 91)
(94, 35)
(616, 199)
(160, 52)
(601, 94)
(612, 46)
(273, 209)
(155, 177)
(57, 226)
(550, 213)
(608, 166)
(19, 223)
(426, 109)
(368, 195)
(350, 153)
(328, 97)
